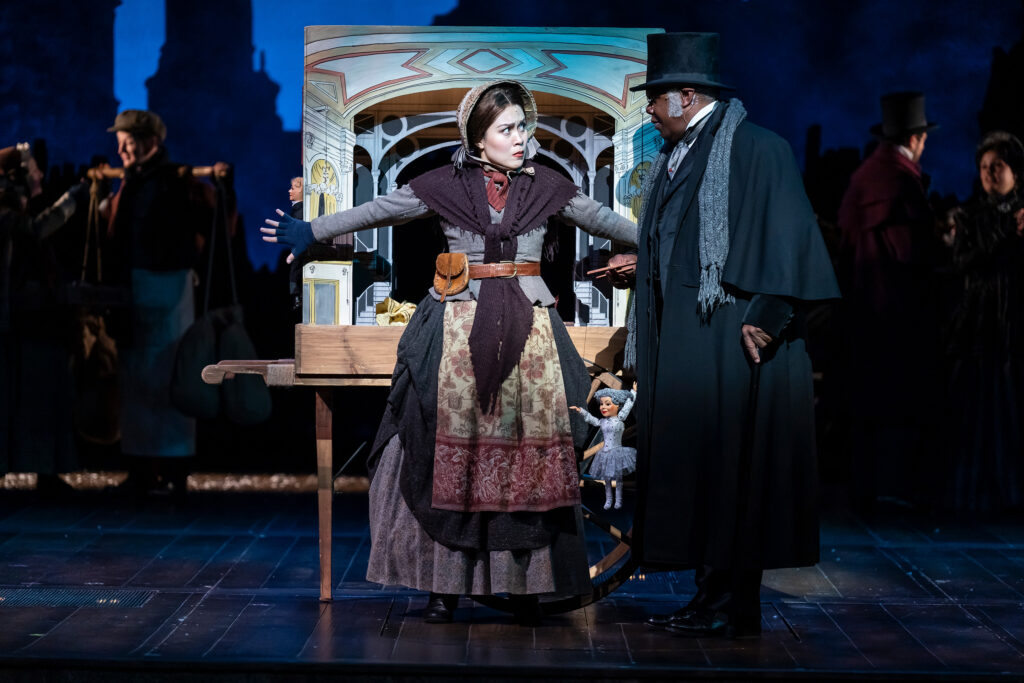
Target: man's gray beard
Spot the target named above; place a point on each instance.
(675, 104)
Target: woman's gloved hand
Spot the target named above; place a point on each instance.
(294, 233)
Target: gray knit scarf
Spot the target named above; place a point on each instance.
(713, 240)
(714, 215)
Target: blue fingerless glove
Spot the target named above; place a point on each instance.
(295, 233)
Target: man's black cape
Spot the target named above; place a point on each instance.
(694, 376)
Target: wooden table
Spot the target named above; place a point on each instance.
(328, 356)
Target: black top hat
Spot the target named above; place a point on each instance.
(682, 59)
(902, 114)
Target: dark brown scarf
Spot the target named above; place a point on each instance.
(504, 316)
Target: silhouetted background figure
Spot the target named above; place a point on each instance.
(729, 255)
(888, 255)
(986, 337)
(157, 223)
(36, 387)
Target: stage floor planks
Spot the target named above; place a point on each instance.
(230, 591)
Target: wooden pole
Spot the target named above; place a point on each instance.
(101, 172)
(324, 484)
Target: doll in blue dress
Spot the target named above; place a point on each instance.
(613, 461)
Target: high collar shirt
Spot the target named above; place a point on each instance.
(682, 147)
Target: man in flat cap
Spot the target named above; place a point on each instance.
(158, 218)
(729, 255)
(889, 250)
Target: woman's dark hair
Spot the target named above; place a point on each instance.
(1007, 147)
(489, 107)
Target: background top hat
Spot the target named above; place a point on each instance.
(682, 59)
(902, 114)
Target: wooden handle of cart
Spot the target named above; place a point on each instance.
(101, 172)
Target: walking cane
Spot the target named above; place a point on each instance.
(740, 534)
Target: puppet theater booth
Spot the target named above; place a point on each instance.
(368, 149)
(379, 109)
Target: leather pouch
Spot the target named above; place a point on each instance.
(451, 274)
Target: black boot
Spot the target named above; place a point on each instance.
(440, 608)
(711, 624)
(709, 588)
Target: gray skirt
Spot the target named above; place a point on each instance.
(402, 553)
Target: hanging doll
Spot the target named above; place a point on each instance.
(614, 460)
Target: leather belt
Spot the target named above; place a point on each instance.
(506, 269)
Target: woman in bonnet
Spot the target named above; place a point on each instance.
(475, 489)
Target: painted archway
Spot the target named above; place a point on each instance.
(393, 90)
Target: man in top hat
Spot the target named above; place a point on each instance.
(888, 253)
(729, 254)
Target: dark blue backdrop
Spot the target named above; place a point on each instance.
(795, 63)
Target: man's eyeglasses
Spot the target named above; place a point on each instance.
(654, 98)
(651, 99)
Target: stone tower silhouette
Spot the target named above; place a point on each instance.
(1000, 110)
(218, 107)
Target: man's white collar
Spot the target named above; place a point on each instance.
(702, 114)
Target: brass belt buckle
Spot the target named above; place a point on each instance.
(515, 270)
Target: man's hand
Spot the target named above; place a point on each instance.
(623, 271)
(295, 233)
(754, 339)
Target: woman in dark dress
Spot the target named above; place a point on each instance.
(986, 338)
(475, 488)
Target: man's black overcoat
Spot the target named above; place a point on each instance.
(694, 376)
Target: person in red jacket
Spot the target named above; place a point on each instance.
(888, 252)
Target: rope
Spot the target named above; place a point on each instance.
(93, 226)
(220, 216)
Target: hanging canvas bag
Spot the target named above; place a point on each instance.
(94, 363)
(216, 335)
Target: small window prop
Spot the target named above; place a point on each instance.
(327, 293)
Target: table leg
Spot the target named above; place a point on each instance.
(324, 484)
